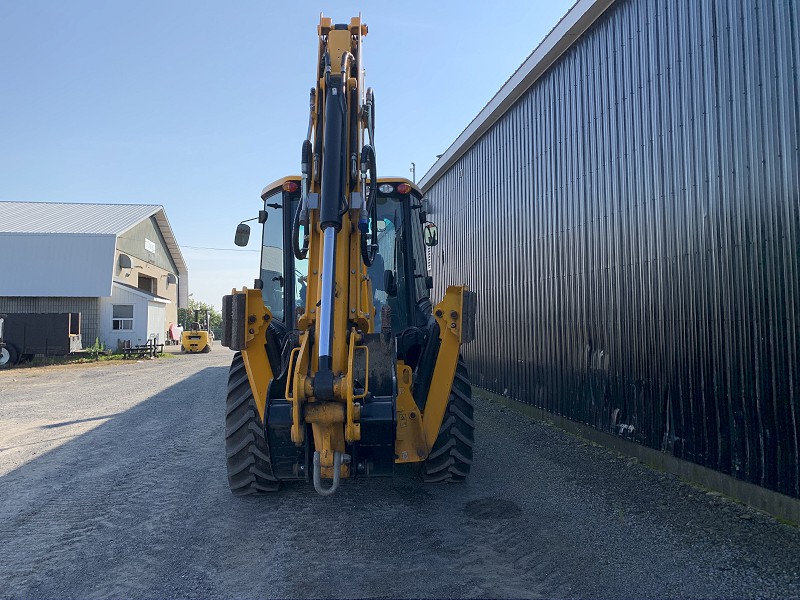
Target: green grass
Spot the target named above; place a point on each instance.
(77, 359)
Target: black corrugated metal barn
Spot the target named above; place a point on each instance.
(628, 209)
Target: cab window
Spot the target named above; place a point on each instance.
(300, 271)
(390, 257)
(420, 262)
(272, 257)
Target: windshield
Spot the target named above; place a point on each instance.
(390, 257)
(272, 257)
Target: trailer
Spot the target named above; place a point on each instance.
(25, 335)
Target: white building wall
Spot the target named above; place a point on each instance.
(58, 265)
(140, 302)
(156, 321)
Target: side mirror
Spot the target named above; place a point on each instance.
(389, 284)
(242, 234)
(430, 234)
(429, 282)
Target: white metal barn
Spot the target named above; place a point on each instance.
(118, 265)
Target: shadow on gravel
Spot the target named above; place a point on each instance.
(166, 421)
(96, 516)
(139, 507)
(162, 419)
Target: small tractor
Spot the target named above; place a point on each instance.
(343, 366)
(198, 337)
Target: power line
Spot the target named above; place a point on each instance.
(220, 249)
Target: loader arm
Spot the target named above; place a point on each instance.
(350, 369)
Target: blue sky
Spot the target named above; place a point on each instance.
(198, 105)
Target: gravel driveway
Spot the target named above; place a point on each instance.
(112, 484)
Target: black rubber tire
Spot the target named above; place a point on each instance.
(246, 448)
(451, 457)
(207, 349)
(11, 356)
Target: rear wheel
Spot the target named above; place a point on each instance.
(451, 457)
(248, 457)
(8, 356)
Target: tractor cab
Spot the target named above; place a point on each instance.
(398, 274)
(400, 280)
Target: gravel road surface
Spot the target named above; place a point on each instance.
(113, 484)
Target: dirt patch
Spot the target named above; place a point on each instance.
(492, 508)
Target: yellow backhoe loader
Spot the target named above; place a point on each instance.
(344, 368)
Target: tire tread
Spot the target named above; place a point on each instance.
(246, 448)
(450, 458)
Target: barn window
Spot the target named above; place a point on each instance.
(122, 317)
(148, 284)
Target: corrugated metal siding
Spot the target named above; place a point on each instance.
(56, 217)
(642, 200)
(88, 307)
(56, 265)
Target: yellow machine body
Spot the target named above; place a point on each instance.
(195, 341)
(198, 337)
(351, 369)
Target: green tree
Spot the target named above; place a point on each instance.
(186, 316)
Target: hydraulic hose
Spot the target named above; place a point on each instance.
(370, 212)
(371, 116)
(301, 214)
(312, 99)
(346, 59)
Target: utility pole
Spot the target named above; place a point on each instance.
(413, 170)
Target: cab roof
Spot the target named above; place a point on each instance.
(279, 183)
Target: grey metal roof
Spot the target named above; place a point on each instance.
(571, 26)
(60, 217)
